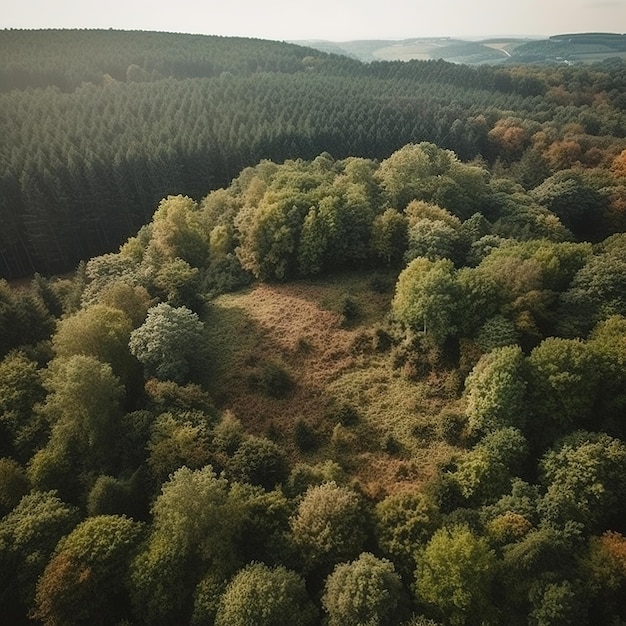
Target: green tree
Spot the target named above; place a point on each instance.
(389, 237)
(83, 582)
(98, 331)
(329, 525)
(196, 525)
(177, 231)
(13, 484)
(427, 296)
(454, 577)
(404, 521)
(21, 389)
(178, 440)
(266, 596)
(365, 591)
(564, 383)
(495, 391)
(28, 536)
(584, 478)
(83, 410)
(486, 472)
(435, 239)
(259, 461)
(168, 342)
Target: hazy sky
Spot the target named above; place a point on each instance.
(338, 20)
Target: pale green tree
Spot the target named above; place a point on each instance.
(364, 591)
(168, 342)
(329, 525)
(266, 596)
(454, 577)
(427, 296)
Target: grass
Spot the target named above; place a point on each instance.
(295, 354)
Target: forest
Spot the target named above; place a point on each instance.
(304, 341)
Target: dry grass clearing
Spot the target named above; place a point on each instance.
(319, 337)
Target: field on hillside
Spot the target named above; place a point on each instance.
(327, 336)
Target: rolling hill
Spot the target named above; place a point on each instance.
(566, 48)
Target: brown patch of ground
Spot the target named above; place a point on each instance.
(298, 327)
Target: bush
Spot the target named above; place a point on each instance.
(273, 380)
(305, 437)
(350, 310)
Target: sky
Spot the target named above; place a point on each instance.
(335, 20)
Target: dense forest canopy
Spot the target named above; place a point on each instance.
(100, 125)
(359, 358)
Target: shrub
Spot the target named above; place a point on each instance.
(305, 437)
(273, 380)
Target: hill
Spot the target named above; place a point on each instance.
(575, 48)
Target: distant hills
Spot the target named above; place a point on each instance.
(565, 48)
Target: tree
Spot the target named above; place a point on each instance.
(413, 173)
(434, 239)
(364, 591)
(485, 473)
(454, 575)
(603, 567)
(426, 297)
(98, 331)
(575, 201)
(404, 521)
(329, 525)
(178, 440)
(598, 288)
(13, 484)
(266, 596)
(177, 231)
(564, 383)
(259, 461)
(20, 390)
(167, 343)
(584, 478)
(495, 391)
(83, 407)
(557, 603)
(28, 536)
(83, 582)
(389, 237)
(196, 523)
